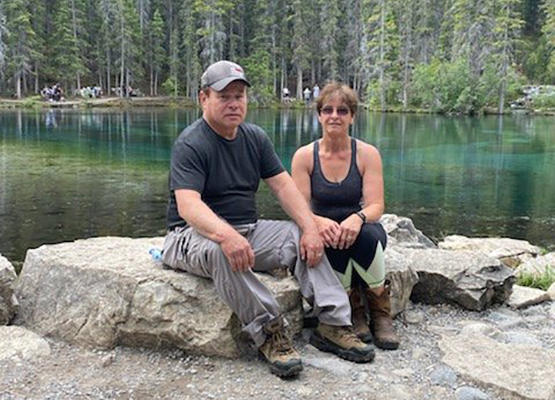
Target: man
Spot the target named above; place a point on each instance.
(216, 166)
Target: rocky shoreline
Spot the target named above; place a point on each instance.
(121, 326)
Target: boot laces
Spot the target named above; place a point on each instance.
(280, 343)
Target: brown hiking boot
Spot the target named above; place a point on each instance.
(381, 323)
(342, 341)
(358, 315)
(278, 350)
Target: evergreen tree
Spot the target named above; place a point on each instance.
(330, 20)
(380, 46)
(548, 31)
(155, 50)
(190, 49)
(3, 47)
(507, 26)
(212, 34)
(21, 42)
(299, 42)
(68, 44)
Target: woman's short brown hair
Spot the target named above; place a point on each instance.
(341, 90)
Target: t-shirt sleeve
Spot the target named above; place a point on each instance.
(187, 170)
(270, 164)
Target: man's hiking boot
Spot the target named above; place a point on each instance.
(278, 350)
(381, 323)
(342, 341)
(358, 313)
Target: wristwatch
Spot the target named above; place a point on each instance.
(361, 215)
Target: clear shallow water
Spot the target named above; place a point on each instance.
(68, 174)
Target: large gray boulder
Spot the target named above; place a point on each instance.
(471, 280)
(107, 291)
(8, 300)
(402, 232)
(511, 251)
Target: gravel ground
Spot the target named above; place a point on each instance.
(414, 371)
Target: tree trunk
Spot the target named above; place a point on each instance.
(18, 85)
(299, 82)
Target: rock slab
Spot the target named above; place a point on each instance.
(20, 344)
(8, 300)
(102, 292)
(523, 296)
(511, 251)
(516, 371)
(471, 280)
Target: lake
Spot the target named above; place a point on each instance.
(68, 174)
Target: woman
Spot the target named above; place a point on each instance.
(342, 179)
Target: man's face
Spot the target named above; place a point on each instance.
(226, 109)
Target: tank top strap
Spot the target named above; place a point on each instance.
(353, 153)
(316, 157)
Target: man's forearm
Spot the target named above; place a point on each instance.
(199, 216)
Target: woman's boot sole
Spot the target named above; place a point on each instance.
(348, 354)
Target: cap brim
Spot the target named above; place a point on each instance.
(221, 84)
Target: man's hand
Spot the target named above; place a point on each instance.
(329, 231)
(312, 248)
(350, 228)
(238, 251)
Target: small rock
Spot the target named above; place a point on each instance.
(403, 373)
(470, 393)
(107, 360)
(443, 376)
(478, 328)
(413, 317)
(418, 353)
(523, 296)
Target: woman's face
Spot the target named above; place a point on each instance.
(335, 117)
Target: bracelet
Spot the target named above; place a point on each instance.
(361, 216)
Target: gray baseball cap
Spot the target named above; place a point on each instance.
(220, 74)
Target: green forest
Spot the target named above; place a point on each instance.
(440, 55)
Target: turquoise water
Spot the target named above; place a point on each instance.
(67, 174)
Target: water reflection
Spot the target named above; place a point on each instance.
(66, 174)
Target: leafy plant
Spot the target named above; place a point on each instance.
(540, 281)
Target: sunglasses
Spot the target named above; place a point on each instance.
(328, 110)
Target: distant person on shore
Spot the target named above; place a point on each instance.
(315, 92)
(341, 178)
(286, 95)
(214, 232)
(306, 95)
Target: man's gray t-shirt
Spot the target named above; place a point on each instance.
(225, 172)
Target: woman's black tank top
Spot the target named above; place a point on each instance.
(336, 200)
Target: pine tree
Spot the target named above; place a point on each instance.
(212, 34)
(68, 44)
(548, 31)
(190, 49)
(330, 19)
(299, 42)
(156, 53)
(380, 41)
(21, 42)
(507, 26)
(3, 47)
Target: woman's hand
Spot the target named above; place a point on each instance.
(329, 231)
(350, 228)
